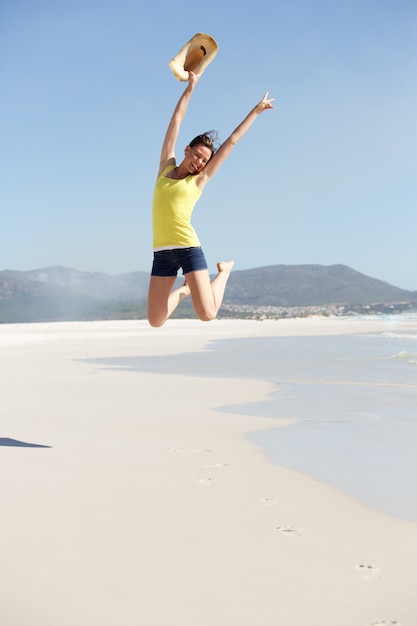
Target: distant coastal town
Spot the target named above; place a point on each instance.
(246, 311)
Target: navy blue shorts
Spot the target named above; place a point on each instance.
(168, 262)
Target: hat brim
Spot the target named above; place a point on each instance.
(199, 45)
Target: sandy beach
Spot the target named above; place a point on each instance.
(128, 499)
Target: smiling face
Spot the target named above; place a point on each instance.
(196, 158)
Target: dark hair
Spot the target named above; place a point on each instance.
(208, 139)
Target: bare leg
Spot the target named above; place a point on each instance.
(207, 297)
(162, 301)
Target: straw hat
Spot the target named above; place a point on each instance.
(194, 56)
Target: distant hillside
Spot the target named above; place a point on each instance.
(310, 285)
(59, 293)
(131, 287)
(44, 295)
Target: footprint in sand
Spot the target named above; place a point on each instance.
(205, 481)
(289, 531)
(369, 572)
(269, 502)
(216, 465)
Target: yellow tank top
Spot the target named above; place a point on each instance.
(173, 203)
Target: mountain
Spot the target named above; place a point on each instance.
(310, 285)
(131, 287)
(59, 293)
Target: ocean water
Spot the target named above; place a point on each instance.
(354, 405)
(352, 399)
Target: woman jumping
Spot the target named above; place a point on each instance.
(175, 242)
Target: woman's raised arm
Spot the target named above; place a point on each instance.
(225, 149)
(168, 146)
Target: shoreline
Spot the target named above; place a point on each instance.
(147, 492)
(32, 332)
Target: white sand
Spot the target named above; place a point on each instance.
(151, 508)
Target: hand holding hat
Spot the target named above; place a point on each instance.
(195, 56)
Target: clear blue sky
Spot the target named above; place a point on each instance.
(329, 176)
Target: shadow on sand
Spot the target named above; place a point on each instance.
(14, 443)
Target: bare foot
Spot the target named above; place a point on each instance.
(184, 290)
(225, 266)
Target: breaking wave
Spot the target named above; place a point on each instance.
(409, 357)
